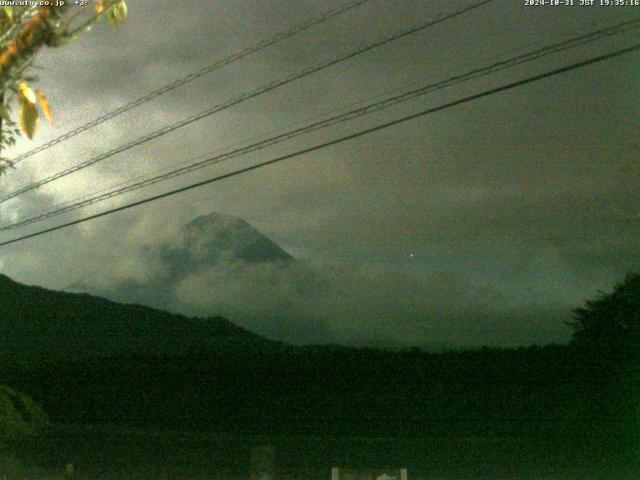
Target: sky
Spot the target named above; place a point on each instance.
(485, 223)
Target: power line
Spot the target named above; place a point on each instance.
(234, 57)
(336, 141)
(170, 168)
(261, 90)
(343, 117)
(557, 37)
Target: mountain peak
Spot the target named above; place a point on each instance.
(210, 238)
(216, 218)
(209, 241)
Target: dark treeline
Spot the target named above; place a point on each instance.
(236, 382)
(339, 390)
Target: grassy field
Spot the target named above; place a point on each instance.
(113, 452)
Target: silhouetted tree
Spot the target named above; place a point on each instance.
(611, 321)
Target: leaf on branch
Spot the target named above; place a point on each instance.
(7, 14)
(29, 119)
(101, 6)
(46, 107)
(29, 113)
(5, 164)
(25, 92)
(118, 13)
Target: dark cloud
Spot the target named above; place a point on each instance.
(220, 265)
(533, 190)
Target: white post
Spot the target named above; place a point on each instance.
(403, 474)
(335, 473)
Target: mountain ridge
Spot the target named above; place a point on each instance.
(42, 323)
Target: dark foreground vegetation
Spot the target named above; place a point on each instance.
(539, 411)
(575, 401)
(327, 390)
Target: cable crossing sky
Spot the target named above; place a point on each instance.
(122, 189)
(234, 57)
(339, 140)
(242, 98)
